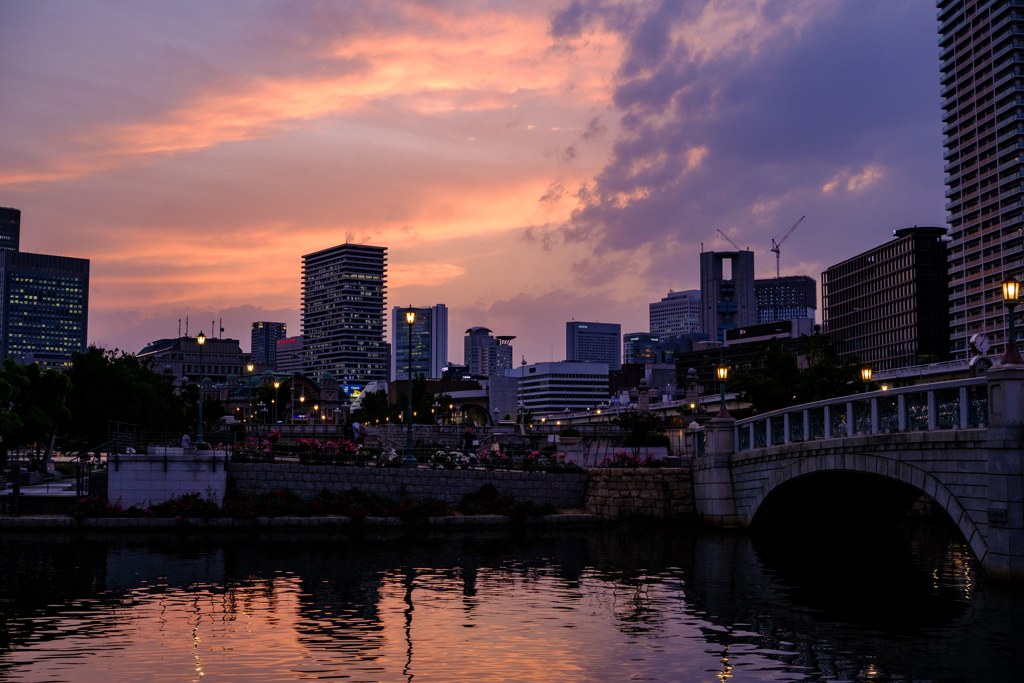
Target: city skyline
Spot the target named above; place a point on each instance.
(460, 138)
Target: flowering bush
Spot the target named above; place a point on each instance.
(626, 460)
(95, 506)
(622, 460)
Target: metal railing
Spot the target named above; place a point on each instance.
(957, 404)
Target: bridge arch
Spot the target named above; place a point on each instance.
(880, 466)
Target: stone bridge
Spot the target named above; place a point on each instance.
(869, 456)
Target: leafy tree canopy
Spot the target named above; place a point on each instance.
(781, 382)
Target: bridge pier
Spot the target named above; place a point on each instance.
(1005, 557)
(712, 479)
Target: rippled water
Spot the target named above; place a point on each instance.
(665, 605)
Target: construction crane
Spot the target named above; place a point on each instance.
(776, 247)
(729, 240)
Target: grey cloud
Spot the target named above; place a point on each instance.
(855, 86)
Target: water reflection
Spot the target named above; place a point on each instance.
(672, 604)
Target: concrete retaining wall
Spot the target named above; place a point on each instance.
(562, 490)
(660, 492)
(165, 473)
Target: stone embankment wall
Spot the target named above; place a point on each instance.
(659, 492)
(562, 490)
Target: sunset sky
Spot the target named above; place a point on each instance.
(524, 163)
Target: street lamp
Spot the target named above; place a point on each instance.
(302, 407)
(1011, 295)
(316, 416)
(201, 340)
(865, 374)
(723, 374)
(248, 386)
(409, 460)
(277, 385)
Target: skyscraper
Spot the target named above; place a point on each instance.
(677, 313)
(45, 300)
(264, 341)
(786, 298)
(485, 354)
(10, 229)
(727, 296)
(980, 52)
(594, 343)
(887, 306)
(429, 342)
(343, 290)
(45, 304)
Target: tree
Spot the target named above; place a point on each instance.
(113, 386)
(781, 383)
(644, 429)
(39, 402)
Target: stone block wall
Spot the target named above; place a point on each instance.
(562, 490)
(659, 492)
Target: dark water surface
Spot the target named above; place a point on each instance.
(673, 604)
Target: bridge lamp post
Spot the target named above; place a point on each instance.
(277, 385)
(409, 460)
(723, 374)
(865, 374)
(1011, 295)
(201, 340)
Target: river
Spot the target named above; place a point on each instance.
(672, 603)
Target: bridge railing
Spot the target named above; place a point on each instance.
(957, 404)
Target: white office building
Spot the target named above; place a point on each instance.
(550, 388)
(677, 313)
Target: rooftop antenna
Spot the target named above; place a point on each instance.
(179, 328)
(221, 320)
(186, 325)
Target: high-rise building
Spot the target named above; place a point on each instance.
(549, 388)
(291, 355)
(594, 343)
(677, 313)
(980, 52)
(487, 355)
(429, 342)
(10, 229)
(786, 298)
(264, 341)
(727, 297)
(343, 291)
(887, 306)
(44, 298)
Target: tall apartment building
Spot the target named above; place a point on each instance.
(551, 388)
(429, 342)
(727, 297)
(485, 354)
(10, 229)
(44, 300)
(343, 291)
(677, 313)
(265, 336)
(786, 298)
(594, 343)
(980, 52)
(887, 306)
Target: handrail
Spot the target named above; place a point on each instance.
(895, 391)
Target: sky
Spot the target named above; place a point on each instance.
(525, 163)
